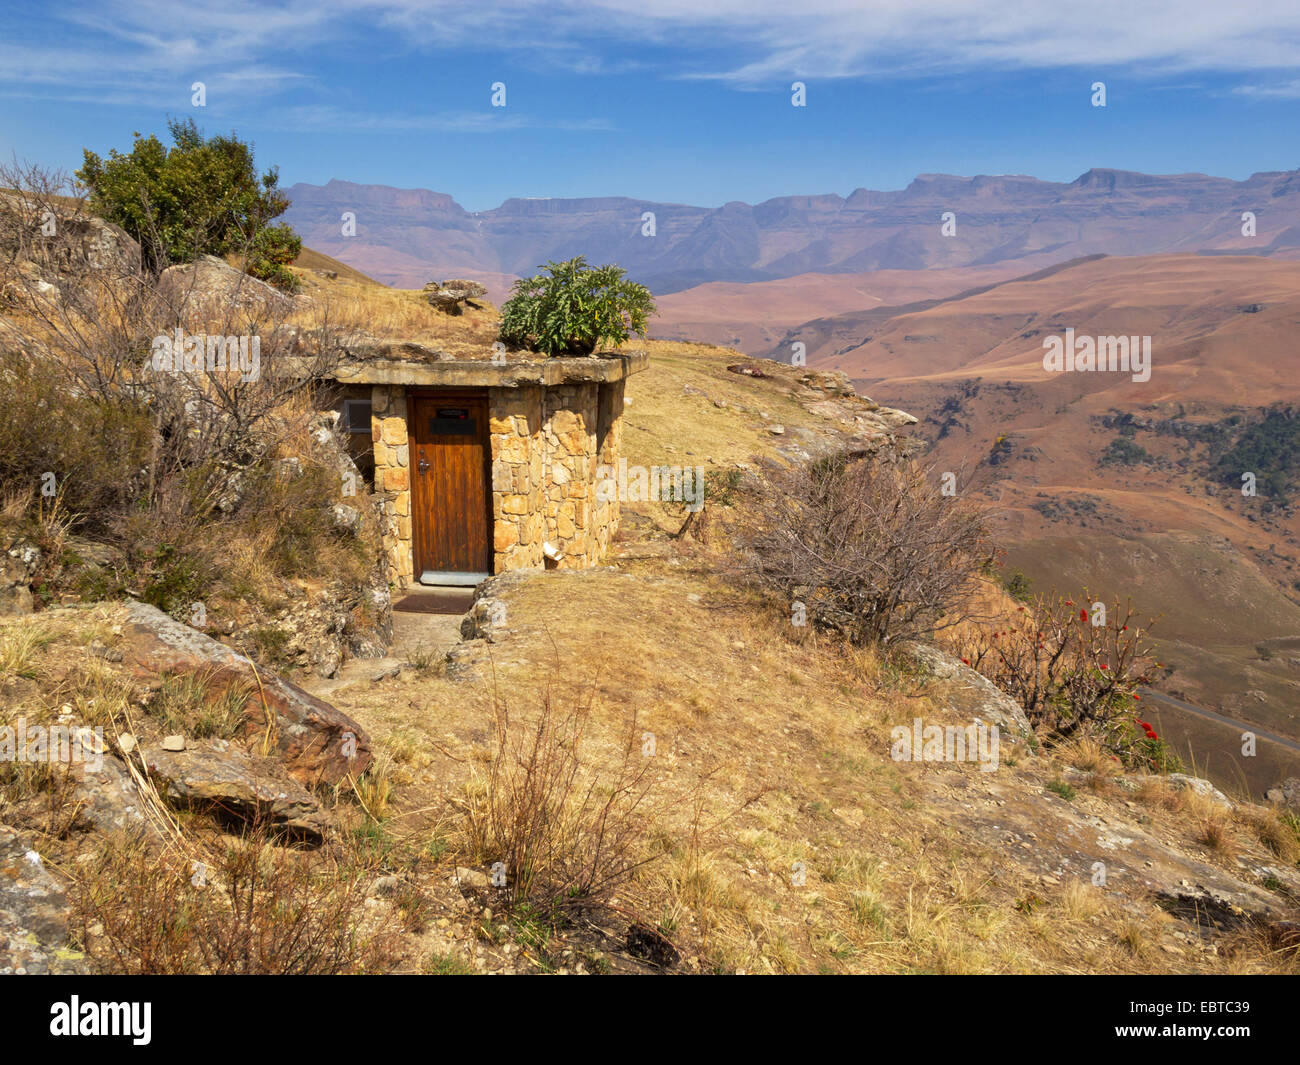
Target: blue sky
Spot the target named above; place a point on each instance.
(667, 100)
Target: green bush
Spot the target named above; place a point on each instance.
(1270, 448)
(201, 197)
(1017, 585)
(575, 309)
(274, 248)
(1124, 452)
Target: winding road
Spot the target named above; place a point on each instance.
(1200, 711)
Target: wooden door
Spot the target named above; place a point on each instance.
(450, 505)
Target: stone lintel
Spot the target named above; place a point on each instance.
(469, 373)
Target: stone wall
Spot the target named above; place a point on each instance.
(393, 476)
(548, 444)
(518, 468)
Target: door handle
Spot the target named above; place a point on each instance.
(424, 466)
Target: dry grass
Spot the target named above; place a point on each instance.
(1087, 755)
(1081, 901)
(20, 644)
(400, 314)
(1217, 831)
(310, 260)
(560, 833)
(1278, 832)
(771, 749)
(244, 906)
(195, 705)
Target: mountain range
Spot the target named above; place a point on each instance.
(405, 237)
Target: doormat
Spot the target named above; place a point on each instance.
(436, 602)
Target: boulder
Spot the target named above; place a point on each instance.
(33, 913)
(485, 620)
(17, 567)
(831, 382)
(316, 742)
(107, 797)
(213, 284)
(979, 697)
(1200, 787)
(217, 776)
(448, 295)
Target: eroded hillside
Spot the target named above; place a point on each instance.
(1123, 486)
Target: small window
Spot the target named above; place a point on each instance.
(356, 415)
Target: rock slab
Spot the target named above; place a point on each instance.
(316, 742)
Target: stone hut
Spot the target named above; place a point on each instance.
(487, 466)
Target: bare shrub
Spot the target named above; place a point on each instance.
(98, 326)
(567, 833)
(173, 469)
(870, 546)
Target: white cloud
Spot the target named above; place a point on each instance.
(741, 42)
(325, 118)
(1284, 90)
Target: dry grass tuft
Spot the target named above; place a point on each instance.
(564, 832)
(242, 907)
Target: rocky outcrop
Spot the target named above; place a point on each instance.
(212, 284)
(1201, 787)
(1058, 840)
(323, 624)
(316, 742)
(33, 913)
(79, 241)
(972, 694)
(218, 777)
(447, 296)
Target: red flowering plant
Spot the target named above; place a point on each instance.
(1074, 666)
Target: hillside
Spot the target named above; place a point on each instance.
(1112, 483)
(753, 317)
(323, 264)
(406, 236)
(306, 777)
(788, 839)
